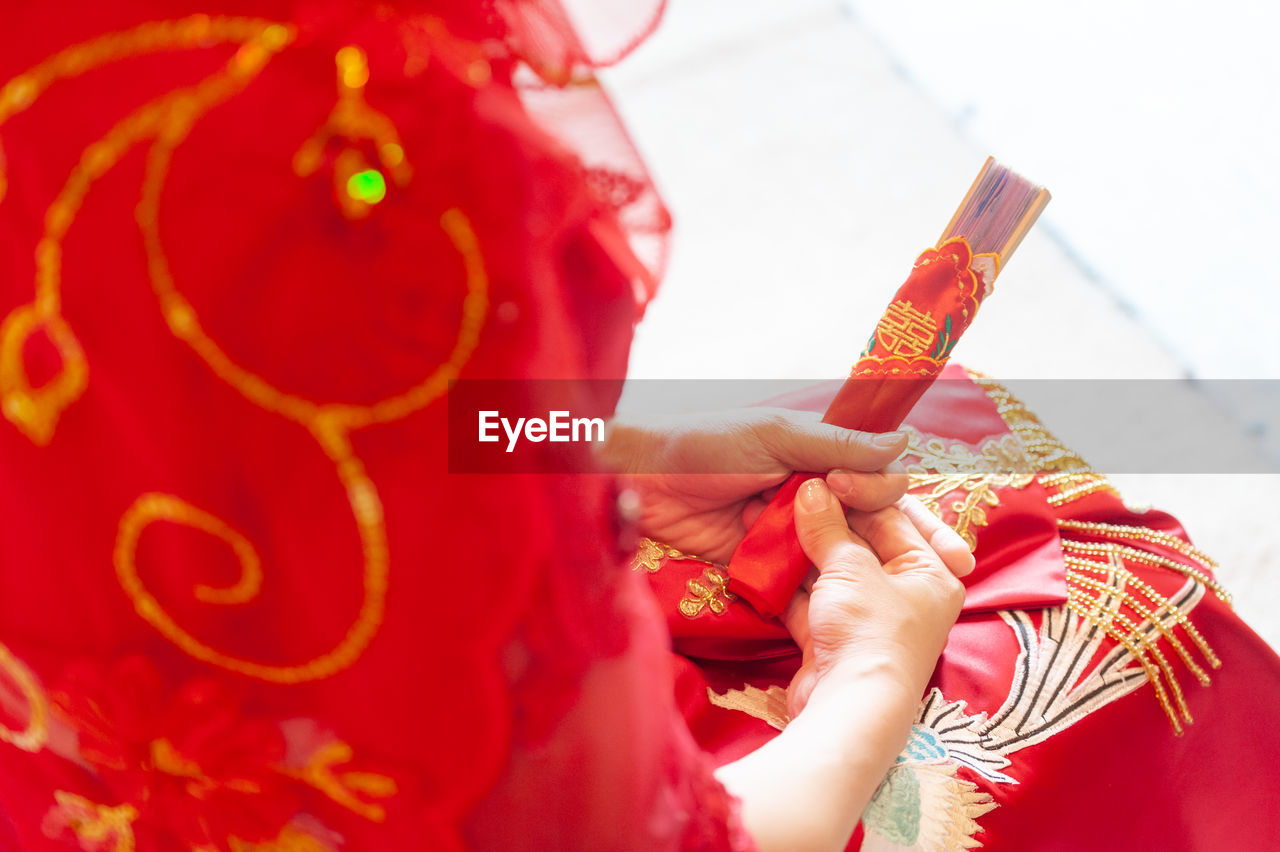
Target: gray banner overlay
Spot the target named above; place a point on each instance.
(1117, 426)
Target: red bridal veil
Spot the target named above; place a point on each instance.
(243, 605)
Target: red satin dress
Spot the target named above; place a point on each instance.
(1097, 692)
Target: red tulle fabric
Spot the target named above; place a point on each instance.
(243, 603)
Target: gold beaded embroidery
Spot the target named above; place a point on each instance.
(1063, 473)
(1123, 533)
(167, 121)
(710, 592)
(943, 469)
(1102, 590)
(1154, 613)
(36, 733)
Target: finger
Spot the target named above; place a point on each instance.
(810, 579)
(800, 689)
(869, 491)
(796, 618)
(756, 505)
(894, 538)
(801, 443)
(945, 541)
(824, 534)
(752, 512)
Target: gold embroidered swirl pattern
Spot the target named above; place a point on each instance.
(166, 122)
(35, 411)
(150, 508)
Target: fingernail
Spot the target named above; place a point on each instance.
(841, 481)
(815, 496)
(889, 440)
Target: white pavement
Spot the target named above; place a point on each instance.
(808, 151)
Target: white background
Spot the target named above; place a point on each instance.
(809, 149)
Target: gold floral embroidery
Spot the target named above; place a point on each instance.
(94, 825)
(33, 737)
(944, 469)
(708, 592)
(165, 123)
(768, 705)
(650, 555)
(1063, 472)
(343, 787)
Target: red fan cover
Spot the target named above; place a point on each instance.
(906, 352)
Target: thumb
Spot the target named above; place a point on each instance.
(823, 531)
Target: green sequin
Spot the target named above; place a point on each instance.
(368, 186)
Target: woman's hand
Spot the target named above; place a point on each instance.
(703, 481)
(872, 621)
(882, 596)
